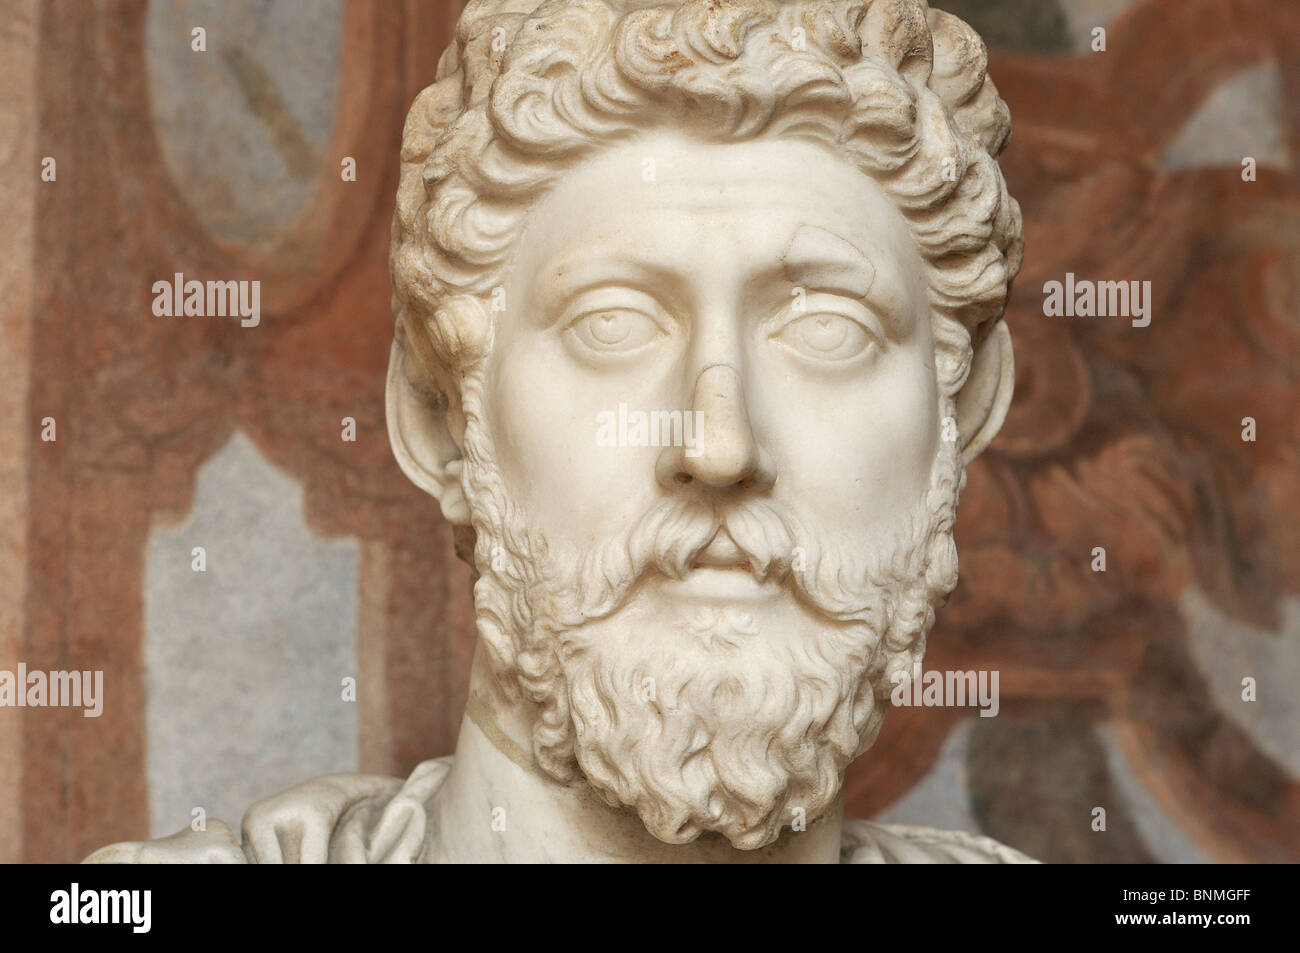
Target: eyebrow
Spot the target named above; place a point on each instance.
(824, 262)
(816, 259)
(578, 272)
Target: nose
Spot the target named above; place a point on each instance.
(726, 454)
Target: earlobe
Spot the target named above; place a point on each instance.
(983, 400)
(421, 440)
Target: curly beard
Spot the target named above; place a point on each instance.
(705, 721)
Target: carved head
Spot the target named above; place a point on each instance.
(698, 322)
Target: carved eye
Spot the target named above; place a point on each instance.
(827, 337)
(615, 330)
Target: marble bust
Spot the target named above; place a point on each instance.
(698, 322)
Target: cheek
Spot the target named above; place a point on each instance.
(543, 413)
(858, 453)
(536, 433)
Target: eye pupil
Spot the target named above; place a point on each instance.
(828, 334)
(611, 328)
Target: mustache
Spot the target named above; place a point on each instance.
(773, 543)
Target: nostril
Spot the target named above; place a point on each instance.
(683, 478)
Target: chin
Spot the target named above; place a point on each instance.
(737, 720)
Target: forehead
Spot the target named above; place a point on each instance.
(692, 205)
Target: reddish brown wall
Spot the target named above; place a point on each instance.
(1117, 437)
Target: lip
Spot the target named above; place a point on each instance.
(721, 553)
(720, 573)
(712, 583)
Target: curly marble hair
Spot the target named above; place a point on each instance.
(529, 88)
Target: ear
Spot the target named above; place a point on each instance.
(421, 439)
(983, 400)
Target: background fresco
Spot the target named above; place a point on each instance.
(1120, 689)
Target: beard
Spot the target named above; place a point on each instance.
(711, 723)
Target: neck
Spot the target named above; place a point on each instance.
(497, 806)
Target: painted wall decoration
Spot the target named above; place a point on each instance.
(1167, 157)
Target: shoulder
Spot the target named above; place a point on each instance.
(340, 818)
(866, 842)
(215, 845)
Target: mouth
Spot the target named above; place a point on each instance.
(721, 572)
(715, 584)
